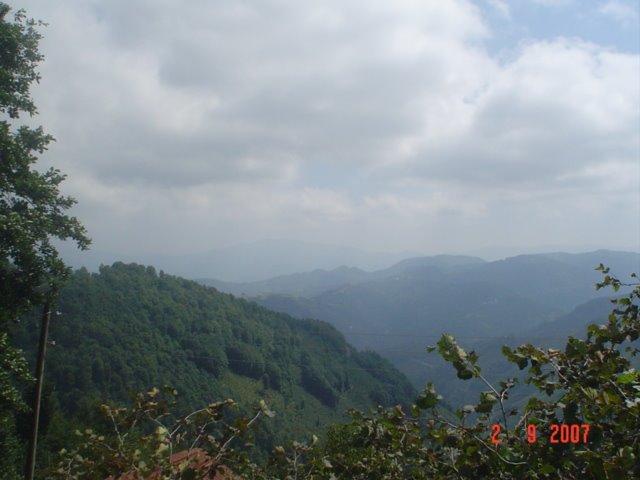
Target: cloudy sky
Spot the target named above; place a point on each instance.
(430, 125)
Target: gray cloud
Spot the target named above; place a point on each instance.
(185, 126)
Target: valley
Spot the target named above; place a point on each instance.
(400, 310)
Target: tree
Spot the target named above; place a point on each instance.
(32, 209)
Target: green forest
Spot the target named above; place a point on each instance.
(129, 328)
(152, 376)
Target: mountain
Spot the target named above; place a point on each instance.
(419, 305)
(307, 284)
(421, 367)
(299, 284)
(446, 263)
(128, 328)
(400, 310)
(559, 280)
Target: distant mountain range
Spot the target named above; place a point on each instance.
(532, 275)
(399, 310)
(268, 258)
(317, 281)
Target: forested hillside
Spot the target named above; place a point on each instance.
(128, 328)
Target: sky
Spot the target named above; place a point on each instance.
(433, 126)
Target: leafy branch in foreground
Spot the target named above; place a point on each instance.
(589, 388)
(591, 383)
(147, 439)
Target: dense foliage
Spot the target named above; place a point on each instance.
(32, 213)
(128, 328)
(32, 210)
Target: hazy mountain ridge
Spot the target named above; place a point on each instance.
(419, 303)
(398, 315)
(315, 282)
(299, 284)
(531, 275)
(538, 286)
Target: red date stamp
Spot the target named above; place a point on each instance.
(558, 433)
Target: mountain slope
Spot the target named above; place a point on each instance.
(483, 304)
(129, 328)
(420, 304)
(300, 284)
(421, 367)
(425, 297)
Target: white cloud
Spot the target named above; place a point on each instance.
(627, 14)
(559, 107)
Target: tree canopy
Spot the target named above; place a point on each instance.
(32, 212)
(32, 208)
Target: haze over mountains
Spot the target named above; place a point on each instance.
(264, 259)
(399, 310)
(561, 279)
(246, 261)
(397, 304)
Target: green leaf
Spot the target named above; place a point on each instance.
(487, 401)
(428, 398)
(515, 357)
(628, 377)
(547, 469)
